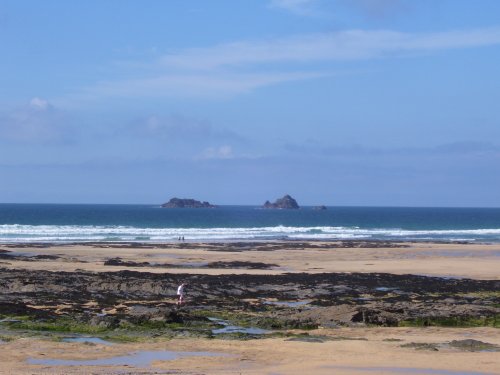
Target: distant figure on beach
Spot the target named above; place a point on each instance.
(180, 294)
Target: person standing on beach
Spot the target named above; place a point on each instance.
(180, 294)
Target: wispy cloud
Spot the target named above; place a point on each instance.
(192, 83)
(371, 9)
(454, 149)
(181, 128)
(243, 66)
(336, 46)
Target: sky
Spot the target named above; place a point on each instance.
(335, 102)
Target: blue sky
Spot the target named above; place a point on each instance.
(337, 102)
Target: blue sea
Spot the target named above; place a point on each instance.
(68, 223)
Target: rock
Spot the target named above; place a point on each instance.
(319, 208)
(309, 338)
(242, 265)
(108, 322)
(376, 317)
(120, 262)
(287, 202)
(421, 346)
(335, 298)
(186, 203)
(472, 345)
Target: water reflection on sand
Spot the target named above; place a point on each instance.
(136, 359)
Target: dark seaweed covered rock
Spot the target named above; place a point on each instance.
(287, 202)
(472, 345)
(186, 203)
(115, 299)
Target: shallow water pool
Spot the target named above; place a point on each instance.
(288, 303)
(136, 359)
(228, 328)
(93, 340)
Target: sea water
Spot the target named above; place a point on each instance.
(68, 223)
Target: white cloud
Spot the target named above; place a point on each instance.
(40, 104)
(37, 122)
(243, 66)
(222, 152)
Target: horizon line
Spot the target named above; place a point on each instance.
(241, 205)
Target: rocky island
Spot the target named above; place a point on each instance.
(186, 203)
(287, 202)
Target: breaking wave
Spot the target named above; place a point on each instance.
(14, 233)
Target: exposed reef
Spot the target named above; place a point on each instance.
(215, 265)
(140, 301)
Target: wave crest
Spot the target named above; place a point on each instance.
(71, 233)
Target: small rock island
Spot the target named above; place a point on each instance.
(319, 208)
(287, 202)
(186, 203)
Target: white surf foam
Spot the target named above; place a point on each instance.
(70, 233)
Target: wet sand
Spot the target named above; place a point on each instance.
(477, 261)
(350, 351)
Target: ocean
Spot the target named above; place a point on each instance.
(72, 223)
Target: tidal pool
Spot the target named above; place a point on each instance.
(93, 340)
(288, 303)
(135, 359)
(228, 328)
(385, 288)
(10, 320)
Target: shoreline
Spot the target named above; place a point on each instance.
(141, 243)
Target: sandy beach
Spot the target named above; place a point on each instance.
(351, 348)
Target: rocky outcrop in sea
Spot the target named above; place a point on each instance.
(287, 202)
(186, 203)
